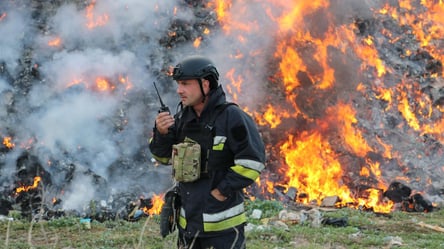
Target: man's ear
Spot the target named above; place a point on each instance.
(206, 85)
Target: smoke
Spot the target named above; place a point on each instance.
(55, 57)
(54, 104)
(13, 31)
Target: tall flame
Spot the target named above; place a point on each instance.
(306, 55)
(313, 167)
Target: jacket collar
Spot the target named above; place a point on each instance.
(215, 97)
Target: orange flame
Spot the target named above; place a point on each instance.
(124, 80)
(345, 116)
(7, 141)
(197, 42)
(103, 84)
(56, 42)
(37, 180)
(157, 201)
(427, 26)
(272, 117)
(303, 61)
(93, 20)
(313, 167)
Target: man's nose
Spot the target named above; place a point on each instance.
(179, 88)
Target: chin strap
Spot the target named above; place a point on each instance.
(201, 89)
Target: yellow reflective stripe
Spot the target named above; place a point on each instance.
(219, 221)
(218, 147)
(225, 224)
(219, 142)
(182, 220)
(233, 211)
(245, 172)
(163, 160)
(258, 166)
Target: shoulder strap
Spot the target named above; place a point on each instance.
(219, 109)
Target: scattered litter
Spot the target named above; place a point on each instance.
(85, 223)
(256, 214)
(433, 227)
(337, 222)
(6, 218)
(393, 240)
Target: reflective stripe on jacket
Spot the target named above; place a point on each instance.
(223, 220)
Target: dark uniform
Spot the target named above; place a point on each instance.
(233, 155)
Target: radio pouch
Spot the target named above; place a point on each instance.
(186, 157)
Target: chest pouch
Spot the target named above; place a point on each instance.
(186, 159)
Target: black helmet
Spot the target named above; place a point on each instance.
(196, 67)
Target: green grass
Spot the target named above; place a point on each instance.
(363, 230)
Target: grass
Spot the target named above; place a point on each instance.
(363, 230)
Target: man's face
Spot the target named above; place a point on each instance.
(189, 91)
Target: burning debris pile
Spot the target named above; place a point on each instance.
(367, 103)
(348, 96)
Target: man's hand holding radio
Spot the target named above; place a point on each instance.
(164, 120)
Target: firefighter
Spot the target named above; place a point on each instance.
(215, 150)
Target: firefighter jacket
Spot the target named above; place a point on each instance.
(232, 160)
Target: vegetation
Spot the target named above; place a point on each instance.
(361, 230)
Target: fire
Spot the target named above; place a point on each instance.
(306, 70)
(427, 26)
(313, 167)
(419, 109)
(93, 20)
(236, 83)
(20, 189)
(272, 117)
(373, 200)
(367, 52)
(197, 42)
(104, 84)
(345, 116)
(386, 95)
(124, 80)
(221, 7)
(56, 42)
(7, 141)
(157, 201)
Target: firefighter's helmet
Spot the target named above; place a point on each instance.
(197, 67)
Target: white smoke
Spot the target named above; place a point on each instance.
(61, 115)
(14, 29)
